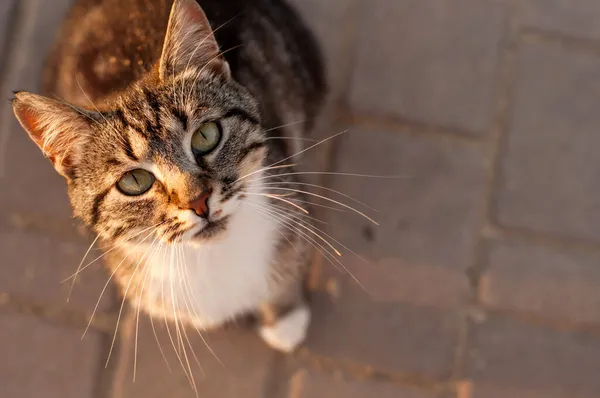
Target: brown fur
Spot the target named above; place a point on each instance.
(128, 94)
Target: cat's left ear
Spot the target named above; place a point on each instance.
(56, 127)
(190, 42)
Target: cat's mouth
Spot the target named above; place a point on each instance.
(212, 229)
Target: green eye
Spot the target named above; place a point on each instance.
(206, 138)
(135, 182)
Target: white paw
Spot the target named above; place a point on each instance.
(288, 332)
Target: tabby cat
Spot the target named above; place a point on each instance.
(166, 121)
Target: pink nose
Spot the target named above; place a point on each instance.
(200, 204)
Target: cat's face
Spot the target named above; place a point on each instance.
(168, 160)
(169, 157)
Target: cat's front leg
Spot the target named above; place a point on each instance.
(284, 325)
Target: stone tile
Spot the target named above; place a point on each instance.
(427, 216)
(245, 364)
(334, 23)
(35, 265)
(509, 359)
(431, 61)
(306, 384)
(25, 176)
(7, 9)
(550, 170)
(389, 336)
(43, 360)
(553, 283)
(415, 280)
(574, 17)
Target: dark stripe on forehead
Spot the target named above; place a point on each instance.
(135, 120)
(120, 116)
(112, 162)
(155, 105)
(237, 112)
(152, 126)
(98, 200)
(151, 129)
(152, 100)
(128, 148)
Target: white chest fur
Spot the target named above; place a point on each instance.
(212, 282)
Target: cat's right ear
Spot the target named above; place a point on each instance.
(190, 42)
(57, 128)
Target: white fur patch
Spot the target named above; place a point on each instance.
(209, 283)
(289, 332)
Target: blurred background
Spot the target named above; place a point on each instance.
(484, 276)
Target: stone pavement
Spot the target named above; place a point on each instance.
(483, 278)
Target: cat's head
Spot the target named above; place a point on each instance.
(169, 154)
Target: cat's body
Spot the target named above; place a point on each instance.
(198, 233)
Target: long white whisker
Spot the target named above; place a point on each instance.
(179, 265)
(288, 125)
(299, 219)
(286, 217)
(162, 286)
(328, 199)
(309, 239)
(180, 329)
(292, 227)
(193, 308)
(281, 166)
(280, 233)
(278, 198)
(107, 283)
(323, 188)
(297, 213)
(312, 204)
(113, 247)
(336, 259)
(334, 173)
(176, 350)
(294, 155)
(156, 334)
(310, 147)
(112, 344)
(146, 271)
(79, 267)
(291, 138)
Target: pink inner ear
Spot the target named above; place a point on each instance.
(30, 121)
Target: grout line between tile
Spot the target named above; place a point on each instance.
(532, 35)
(102, 322)
(505, 83)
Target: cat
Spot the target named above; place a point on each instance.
(165, 122)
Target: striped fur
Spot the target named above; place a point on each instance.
(135, 95)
